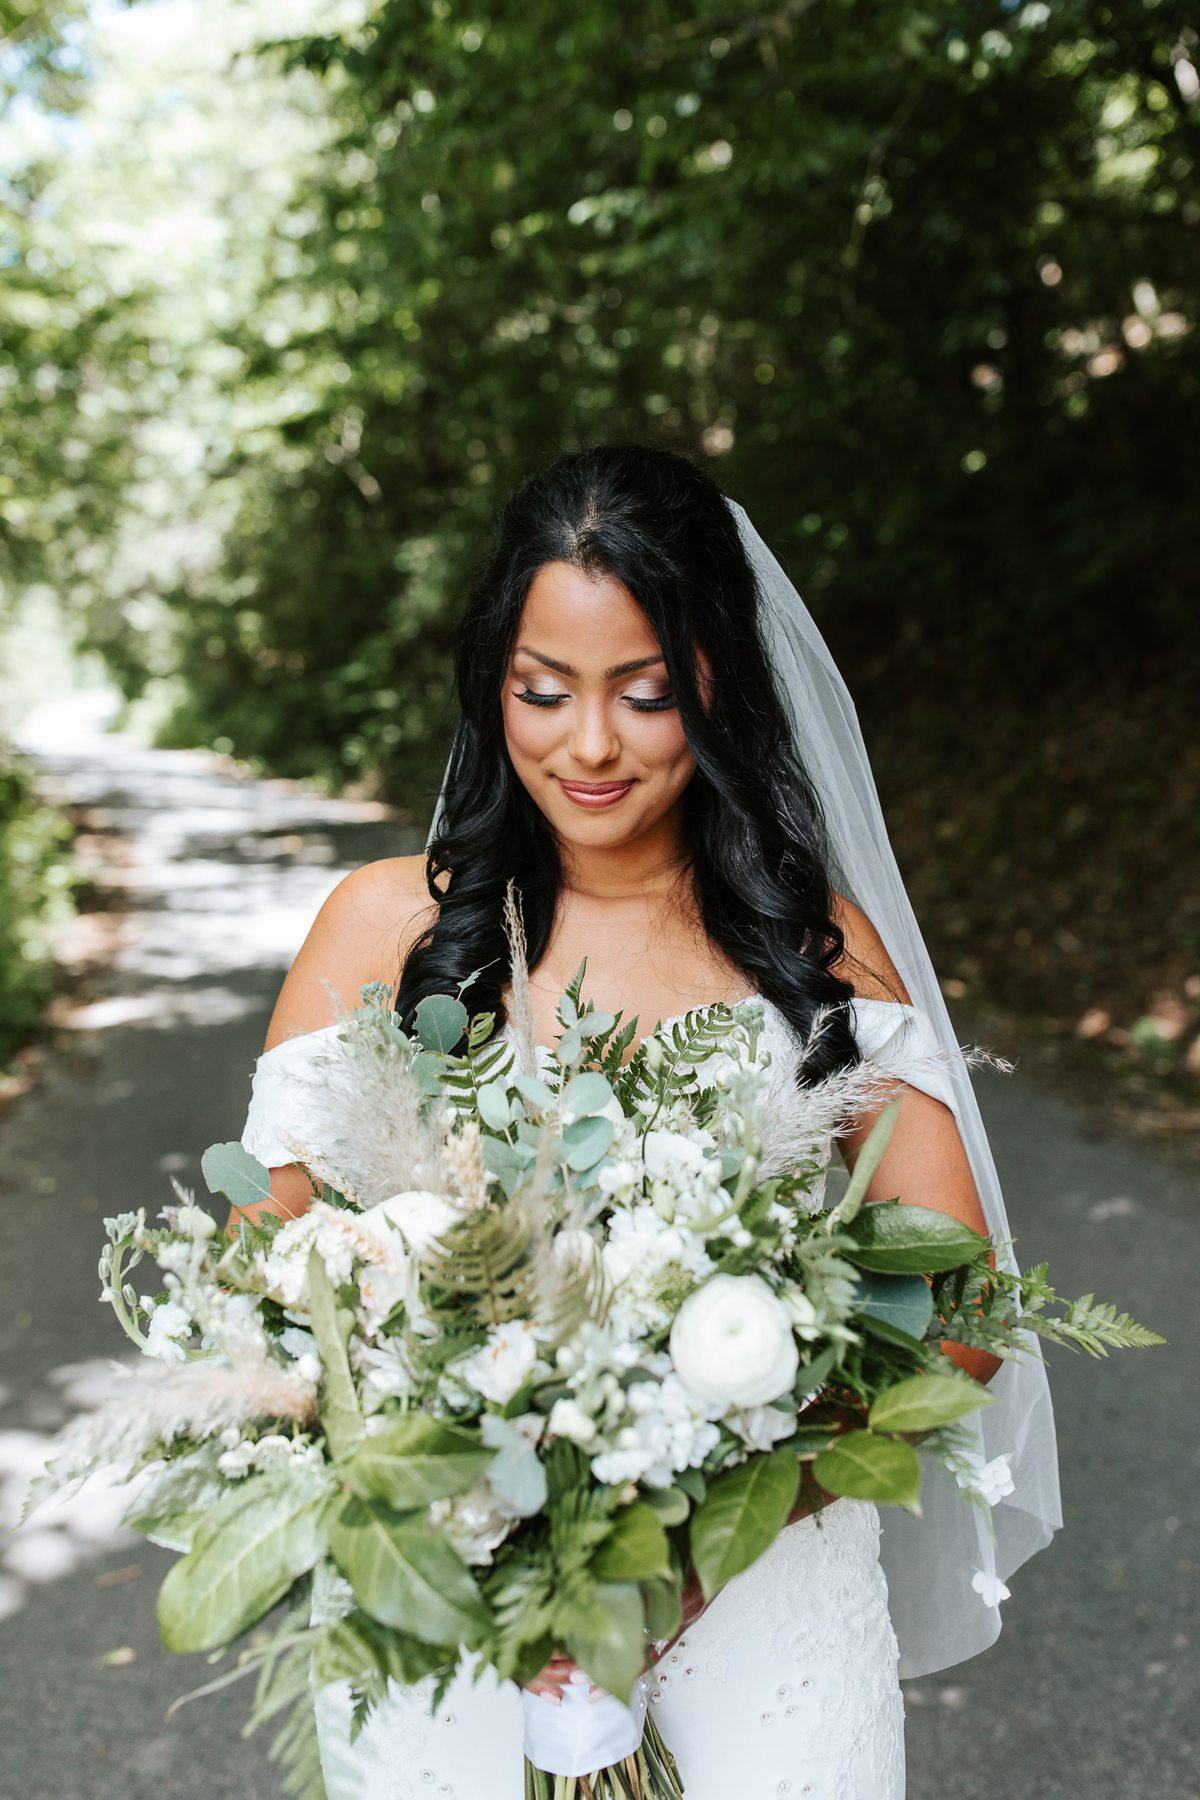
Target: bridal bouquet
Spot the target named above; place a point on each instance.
(556, 1335)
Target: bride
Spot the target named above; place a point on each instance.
(655, 746)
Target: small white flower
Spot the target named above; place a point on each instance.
(568, 1419)
(993, 1480)
(168, 1323)
(421, 1218)
(503, 1366)
(196, 1222)
(761, 1427)
(269, 1448)
(802, 1313)
(990, 1588)
(238, 1462)
(732, 1343)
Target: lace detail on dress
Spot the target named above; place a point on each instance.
(802, 1657)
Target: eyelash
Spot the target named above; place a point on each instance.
(665, 704)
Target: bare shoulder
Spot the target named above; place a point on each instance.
(363, 933)
(866, 964)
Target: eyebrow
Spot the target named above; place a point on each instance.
(613, 674)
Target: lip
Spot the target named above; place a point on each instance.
(594, 794)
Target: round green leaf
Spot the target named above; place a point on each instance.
(587, 1094)
(494, 1109)
(904, 1301)
(441, 1022)
(864, 1467)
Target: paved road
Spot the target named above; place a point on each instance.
(1092, 1689)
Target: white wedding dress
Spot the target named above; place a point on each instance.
(787, 1684)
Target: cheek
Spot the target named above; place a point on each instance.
(530, 731)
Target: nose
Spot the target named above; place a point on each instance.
(593, 741)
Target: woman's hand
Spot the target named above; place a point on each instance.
(554, 1677)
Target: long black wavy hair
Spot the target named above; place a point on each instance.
(659, 525)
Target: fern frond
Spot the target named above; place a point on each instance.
(484, 1268)
(1094, 1329)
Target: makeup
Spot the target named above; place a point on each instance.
(594, 794)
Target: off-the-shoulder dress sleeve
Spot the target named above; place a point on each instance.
(279, 1096)
(889, 1033)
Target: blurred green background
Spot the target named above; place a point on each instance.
(290, 298)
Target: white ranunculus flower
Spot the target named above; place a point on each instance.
(503, 1366)
(732, 1342)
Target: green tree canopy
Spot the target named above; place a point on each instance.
(921, 282)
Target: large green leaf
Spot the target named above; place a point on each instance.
(664, 1609)
(352, 1648)
(232, 1171)
(910, 1240)
(247, 1553)
(869, 1159)
(637, 1550)
(414, 1461)
(904, 1301)
(671, 1504)
(172, 1506)
(925, 1402)
(864, 1467)
(607, 1636)
(406, 1575)
(332, 1325)
(441, 1022)
(587, 1094)
(744, 1513)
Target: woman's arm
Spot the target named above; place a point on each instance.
(363, 933)
(925, 1164)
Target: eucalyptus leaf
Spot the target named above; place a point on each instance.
(516, 1472)
(586, 1141)
(587, 1094)
(636, 1549)
(569, 1046)
(494, 1108)
(232, 1171)
(595, 1024)
(607, 1637)
(406, 1575)
(926, 1402)
(901, 1300)
(744, 1513)
(172, 1506)
(415, 1461)
(910, 1240)
(536, 1092)
(441, 1023)
(247, 1553)
(865, 1467)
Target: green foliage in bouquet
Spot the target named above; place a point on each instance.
(607, 1345)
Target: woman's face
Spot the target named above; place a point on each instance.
(589, 717)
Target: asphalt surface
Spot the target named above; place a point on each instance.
(1092, 1688)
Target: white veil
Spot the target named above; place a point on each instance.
(931, 1563)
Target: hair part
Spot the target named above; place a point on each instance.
(660, 526)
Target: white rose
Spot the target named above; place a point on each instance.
(503, 1366)
(732, 1342)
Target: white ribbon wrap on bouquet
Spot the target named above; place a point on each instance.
(582, 1734)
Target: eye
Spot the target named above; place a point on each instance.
(648, 702)
(531, 698)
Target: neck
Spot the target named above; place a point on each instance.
(651, 864)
